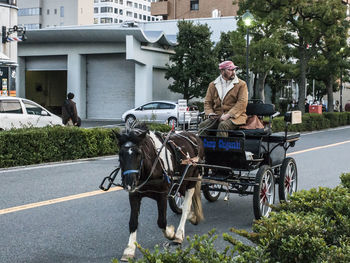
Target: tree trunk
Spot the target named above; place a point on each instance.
(261, 86)
(330, 94)
(303, 66)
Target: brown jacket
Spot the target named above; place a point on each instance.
(235, 101)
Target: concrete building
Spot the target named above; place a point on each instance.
(36, 14)
(182, 9)
(8, 48)
(109, 68)
(119, 11)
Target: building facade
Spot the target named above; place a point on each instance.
(182, 9)
(8, 47)
(109, 68)
(119, 11)
(36, 14)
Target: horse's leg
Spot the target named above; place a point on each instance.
(180, 232)
(168, 231)
(129, 251)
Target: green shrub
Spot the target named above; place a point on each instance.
(37, 145)
(345, 180)
(313, 227)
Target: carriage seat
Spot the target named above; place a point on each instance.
(259, 109)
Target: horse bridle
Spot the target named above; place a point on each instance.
(153, 166)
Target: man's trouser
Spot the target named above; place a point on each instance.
(216, 124)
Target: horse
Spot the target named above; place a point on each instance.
(147, 167)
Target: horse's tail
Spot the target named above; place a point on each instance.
(197, 204)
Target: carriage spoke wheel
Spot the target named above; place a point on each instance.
(288, 180)
(264, 192)
(176, 203)
(210, 193)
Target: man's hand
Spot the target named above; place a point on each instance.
(225, 117)
(212, 115)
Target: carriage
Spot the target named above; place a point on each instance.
(248, 162)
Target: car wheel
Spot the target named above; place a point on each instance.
(130, 119)
(172, 122)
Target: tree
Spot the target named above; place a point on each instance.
(304, 25)
(193, 66)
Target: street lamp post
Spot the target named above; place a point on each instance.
(341, 90)
(248, 20)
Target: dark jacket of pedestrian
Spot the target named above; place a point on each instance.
(69, 111)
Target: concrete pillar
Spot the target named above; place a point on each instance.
(76, 78)
(143, 84)
(21, 78)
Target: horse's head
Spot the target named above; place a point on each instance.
(130, 157)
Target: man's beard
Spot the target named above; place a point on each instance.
(229, 77)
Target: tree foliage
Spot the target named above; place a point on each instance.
(304, 27)
(193, 66)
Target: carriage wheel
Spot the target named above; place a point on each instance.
(209, 192)
(264, 192)
(288, 180)
(176, 203)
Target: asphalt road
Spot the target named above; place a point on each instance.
(55, 213)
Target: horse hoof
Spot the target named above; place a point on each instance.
(193, 220)
(125, 258)
(176, 242)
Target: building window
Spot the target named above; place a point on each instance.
(144, 7)
(29, 12)
(106, 20)
(116, 20)
(95, 20)
(135, 5)
(32, 26)
(128, 13)
(140, 6)
(120, 11)
(96, 1)
(106, 9)
(120, 21)
(194, 5)
(140, 16)
(48, 11)
(62, 11)
(106, 1)
(115, 10)
(121, 2)
(135, 15)
(95, 10)
(55, 11)
(144, 17)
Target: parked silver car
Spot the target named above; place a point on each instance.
(161, 112)
(20, 113)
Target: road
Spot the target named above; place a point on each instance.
(55, 213)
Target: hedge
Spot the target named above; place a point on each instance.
(313, 227)
(39, 145)
(27, 146)
(314, 121)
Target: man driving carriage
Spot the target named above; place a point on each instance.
(225, 102)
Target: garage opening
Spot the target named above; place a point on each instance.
(47, 88)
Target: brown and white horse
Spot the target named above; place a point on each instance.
(138, 156)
